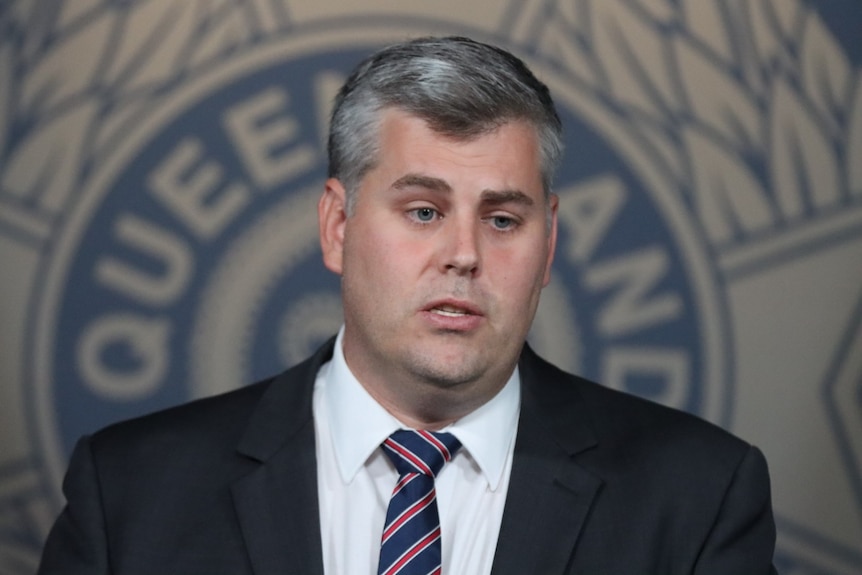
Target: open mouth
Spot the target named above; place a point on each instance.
(450, 311)
(453, 309)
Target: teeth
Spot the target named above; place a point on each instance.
(449, 312)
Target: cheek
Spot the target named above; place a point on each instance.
(380, 260)
(521, 274)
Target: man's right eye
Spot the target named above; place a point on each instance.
(424, 215)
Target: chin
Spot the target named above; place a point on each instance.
(446, 371)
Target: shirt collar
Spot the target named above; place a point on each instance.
(359, 424)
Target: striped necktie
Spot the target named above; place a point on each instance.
(411, 535)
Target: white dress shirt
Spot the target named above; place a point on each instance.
(355, 478)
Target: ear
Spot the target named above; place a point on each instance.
(332, 218)
(552, 237)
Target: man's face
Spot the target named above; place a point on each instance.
(442, 261)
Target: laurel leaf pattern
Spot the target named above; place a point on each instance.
(759, 94)
(52, 81)
(662, 11)
(716, 98)
(6, 56)
(775, 26)
(826, 71)
(854, 142)
(44, 169)
(150, 48)
(803, 163)
(164, 39)
(113, 128)
(71, 14)
(667, 164)
(724, 188)
(228, 29)
(35, 21)
(124, 53)
(564, 41)
(170, 40)
(633, 58)
(700, 19)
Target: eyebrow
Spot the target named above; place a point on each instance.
(498, 197)
(420, 181)
(493, 197)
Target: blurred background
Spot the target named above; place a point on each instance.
(160, 164)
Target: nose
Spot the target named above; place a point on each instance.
(460, 249)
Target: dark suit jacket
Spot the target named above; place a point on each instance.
(602, 483)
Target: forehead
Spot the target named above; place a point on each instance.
(408, 143)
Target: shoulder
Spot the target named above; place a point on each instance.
(213, 427)
(629, 430)
(211, 419)
(673, 489)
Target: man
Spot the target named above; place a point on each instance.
(439, 218)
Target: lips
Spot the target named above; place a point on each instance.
(450, 311)
(452, 316)
(451, 308)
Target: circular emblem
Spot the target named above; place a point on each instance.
(189, 264)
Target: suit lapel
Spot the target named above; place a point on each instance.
(549, 495)
(277, 503)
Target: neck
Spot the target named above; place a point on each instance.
(427, 405)
(423, 397)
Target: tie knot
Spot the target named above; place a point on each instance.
(420, 451)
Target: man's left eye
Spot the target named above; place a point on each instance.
(502, 222)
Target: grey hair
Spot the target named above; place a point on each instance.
(462, 88)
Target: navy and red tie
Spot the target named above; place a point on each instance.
(411, 535)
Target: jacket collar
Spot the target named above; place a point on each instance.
(549, 498)
(277, 503)
(550, 493)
